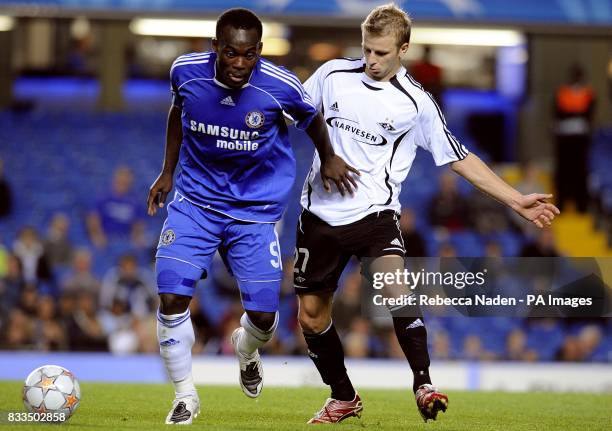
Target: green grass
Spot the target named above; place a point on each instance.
(131, 407)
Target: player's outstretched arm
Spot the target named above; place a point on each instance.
(333, 167)
(534, 207)
(163, 184)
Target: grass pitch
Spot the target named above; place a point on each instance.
(144, 406)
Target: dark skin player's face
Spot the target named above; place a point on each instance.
(237, 53)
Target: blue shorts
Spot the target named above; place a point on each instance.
(190, 237)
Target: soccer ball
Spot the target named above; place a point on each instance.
(52, 389)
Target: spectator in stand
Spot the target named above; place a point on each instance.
(495, 265)
(570, 351)
(145, 329)
(120, 328)
(80, 56)
(57, 247)
(85, 332)
(48, 333)
(486, 216)
(428, 74)
(394, 350)
(17, 334)
(28, 302)
(474, 350)
(413, 240)
(201, 325)
(287, 309)
(357, 339)
(542, 246)
(30, 251)
(115, 318)
(81, 278)
(229, 322)
(6, 196)
(348, 305)
(11, 285)
(589, 338)
(131, 284)
(516, 347)
(441, 348)
(299, 346)
(447, 209)
(574, 109)
(119, 214)
(4, 256)
(67, 305)
(447, 250)
(493, 249)
(530, 181)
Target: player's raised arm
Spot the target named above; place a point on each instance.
(446, 149)
(333, 167)
(533, 207)
(163, 184)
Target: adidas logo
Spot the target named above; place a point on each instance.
(397, 242)
(169, 342)
(312, 355)
(334, 107)
(228, 101)
(415, 324)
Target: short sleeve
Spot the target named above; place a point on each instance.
(314, 86)
(177, 99)
(296, 102)
(435, 136)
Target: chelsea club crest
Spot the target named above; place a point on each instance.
(167, 237)
(255, 119)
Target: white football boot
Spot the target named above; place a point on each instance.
(184, 411)
(250, 367)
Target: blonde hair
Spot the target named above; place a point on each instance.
(388, 19)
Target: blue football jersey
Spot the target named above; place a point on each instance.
(235, 155)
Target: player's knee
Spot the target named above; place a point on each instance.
(313, 322)
(171, 303)
(261, 319)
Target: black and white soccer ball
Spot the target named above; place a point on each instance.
(52, 389)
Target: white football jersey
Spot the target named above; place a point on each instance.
(375, 127)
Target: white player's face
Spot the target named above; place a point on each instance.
(382, 56)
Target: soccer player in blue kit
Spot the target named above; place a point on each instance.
(226, 128)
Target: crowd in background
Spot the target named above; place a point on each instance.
(99, 293)
(52, 298)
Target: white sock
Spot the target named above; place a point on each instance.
(251, 337)
(176, 337)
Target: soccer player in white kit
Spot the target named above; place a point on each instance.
(377, 115)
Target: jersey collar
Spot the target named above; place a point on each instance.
(400, 72)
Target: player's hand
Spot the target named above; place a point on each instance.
(337, 170)
(536, 208)
(158, 192)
